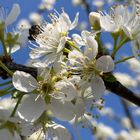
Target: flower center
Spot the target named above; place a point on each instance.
(89, 69)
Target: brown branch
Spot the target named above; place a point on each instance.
(116, 87)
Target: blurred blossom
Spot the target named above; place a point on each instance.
(82, 25)
(23, 24)
(47, 4)
(7, 103)
(110, 1)
(124, 135)
(135, 134)
(11, 17)
(35, 18)
(138, 81)
(76, 2)
(126, 123)
(125, 79)
(134, 65)
(108, 45)
(98, 3)
(23, 33)
(104, 132)
(137, 112)
(106, 111)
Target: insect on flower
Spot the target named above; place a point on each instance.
(34, 31)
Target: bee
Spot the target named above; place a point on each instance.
(34, 31)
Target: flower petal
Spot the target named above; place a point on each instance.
(5, 134)
(59, 132)
(98, 87)
(13, 14)
(62, 111)
(24, 82)
(105, 63)
(65, 90)
(31, 108)
(27, 129)
(61, 45)
(78, 40)
(91, 50)
(107, 23)
(79, 107)
(75, 22)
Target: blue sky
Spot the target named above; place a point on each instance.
(28, 6)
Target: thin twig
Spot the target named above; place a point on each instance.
(128, 113)
(87, 6)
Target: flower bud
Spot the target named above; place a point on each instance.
(94, 19)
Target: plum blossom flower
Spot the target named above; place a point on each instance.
(59, 94)
(47, 4)
(88, 66)
(122, 18)
(12, 16)
(52, 39)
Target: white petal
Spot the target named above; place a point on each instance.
(61, 44)
(65, 90)
(27, 128)
(127, 31)
(13, 14)
(62, 111)
(76, 58)
(85, 34)
(5, 134)
(15, 48)
(91, 50)
(59, 132)
(4, 114)
(78, 40)
(65, 18)
(79, 107)
(105, 63)
(107, 24)
(31, 107)
(75, 22)
(98, 87)
(24, 82)
(39, 52)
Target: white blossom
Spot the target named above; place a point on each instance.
(52, 39)
(122, 18)
(35, 18)
(11, 17)
(88, 66)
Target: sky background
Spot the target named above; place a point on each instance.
(28, 6)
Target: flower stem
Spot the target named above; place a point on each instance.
(5, 68)
(125, 59)
(118, 47)
(16, 106)
(4, 48)
(72, 45)
(6, 83)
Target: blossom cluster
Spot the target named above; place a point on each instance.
(69, 83)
